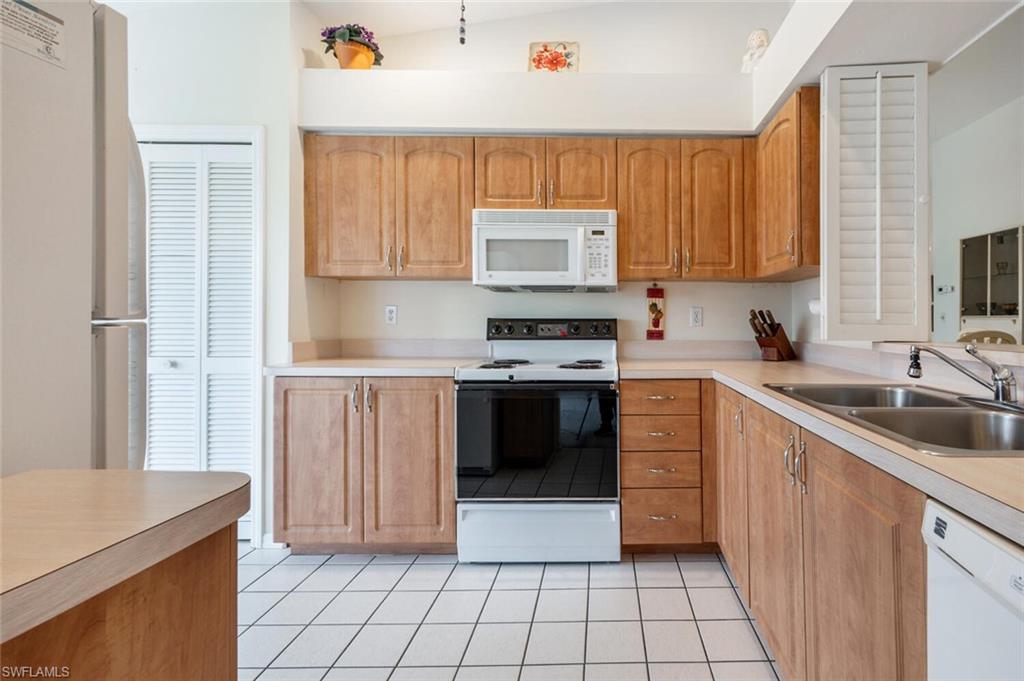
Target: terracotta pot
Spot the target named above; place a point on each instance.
(353, 55)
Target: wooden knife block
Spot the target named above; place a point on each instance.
(776, 348)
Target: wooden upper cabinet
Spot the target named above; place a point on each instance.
(510, 172)
(865, 569)
(434, 218)
(712, 214)
(732, 486)
(408, 458)
(649, 238)
(776, 543)
(318, 493)
(581, 173)
(350, 206)
(786, 234)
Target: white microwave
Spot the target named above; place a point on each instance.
(544, 250)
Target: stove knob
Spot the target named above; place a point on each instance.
(593, 328)
(606, 329)
(574, 329)
(527, 329)
(496, 329)
(509, 330)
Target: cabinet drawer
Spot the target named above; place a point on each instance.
(660, 469)
(661, 516)
(660, 397)
(660, 433)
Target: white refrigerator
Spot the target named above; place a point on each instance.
(72, 255)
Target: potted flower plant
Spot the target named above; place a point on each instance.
(353, 45)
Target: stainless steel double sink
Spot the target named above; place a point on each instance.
(931, 421)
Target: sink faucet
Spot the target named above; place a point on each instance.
(1003, 384)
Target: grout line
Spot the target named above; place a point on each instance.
(437, 594)
(748, 613)
(479, 614)
(640, 610)
(529, 630)
(586, 622)
(696, 626)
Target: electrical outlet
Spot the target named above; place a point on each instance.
(696, 316)
(390, 314)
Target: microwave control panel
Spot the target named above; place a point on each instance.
(600, 255)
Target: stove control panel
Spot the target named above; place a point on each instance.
(552, 329)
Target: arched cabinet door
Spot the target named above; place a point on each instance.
(350, 206)
(581, 173)
(648, 219)
(712, 171)
(510, 172)
(434, 208)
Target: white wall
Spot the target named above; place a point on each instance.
(977, 187)
(458, 310)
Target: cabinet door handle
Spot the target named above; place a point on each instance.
(660, 433)
(387, 259)
(661, 397)
(659, 518)
(369, 397)
(675, 260)
(659, 471)
(551, 193)
(785, 459)
(799, 465)
(791, 245)
(738, 418)
(401, 258)
(540, 192)
(355, 397)
(687, 259)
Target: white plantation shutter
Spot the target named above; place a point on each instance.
(875, 262)
(201, 411)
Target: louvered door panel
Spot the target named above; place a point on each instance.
(229, 263)
(172, 438)
(875, 200)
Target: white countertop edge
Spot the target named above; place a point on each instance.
(355, 371)
(990, 512)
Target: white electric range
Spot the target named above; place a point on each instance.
(537, 447)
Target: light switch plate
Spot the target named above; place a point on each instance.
(391, 314)
(696, 316)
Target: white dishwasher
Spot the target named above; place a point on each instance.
(975, 600)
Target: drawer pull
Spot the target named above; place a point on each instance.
(670, 469)
(661, 397)
(659, 518)
(661, 433)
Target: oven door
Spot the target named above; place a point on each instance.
(554, 441)
(528, 256)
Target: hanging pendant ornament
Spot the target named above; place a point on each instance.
(655, 312)
(462, 25)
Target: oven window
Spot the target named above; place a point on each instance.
(527, 255)
(522, 443)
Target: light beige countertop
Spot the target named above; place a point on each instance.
(373, 366)
(67, 535)
(990, 490)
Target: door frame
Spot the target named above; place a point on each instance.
(254, 135)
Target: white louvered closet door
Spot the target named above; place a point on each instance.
(201, 394)
(874, 192)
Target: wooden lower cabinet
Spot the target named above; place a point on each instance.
(408, 455)
(776, 586)
(363, 460)
(661, 516)
(732, 486)
(864, 569)
(836, 561)
(318, 462)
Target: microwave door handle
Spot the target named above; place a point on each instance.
(582, 241)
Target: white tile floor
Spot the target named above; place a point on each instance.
(653, 617)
